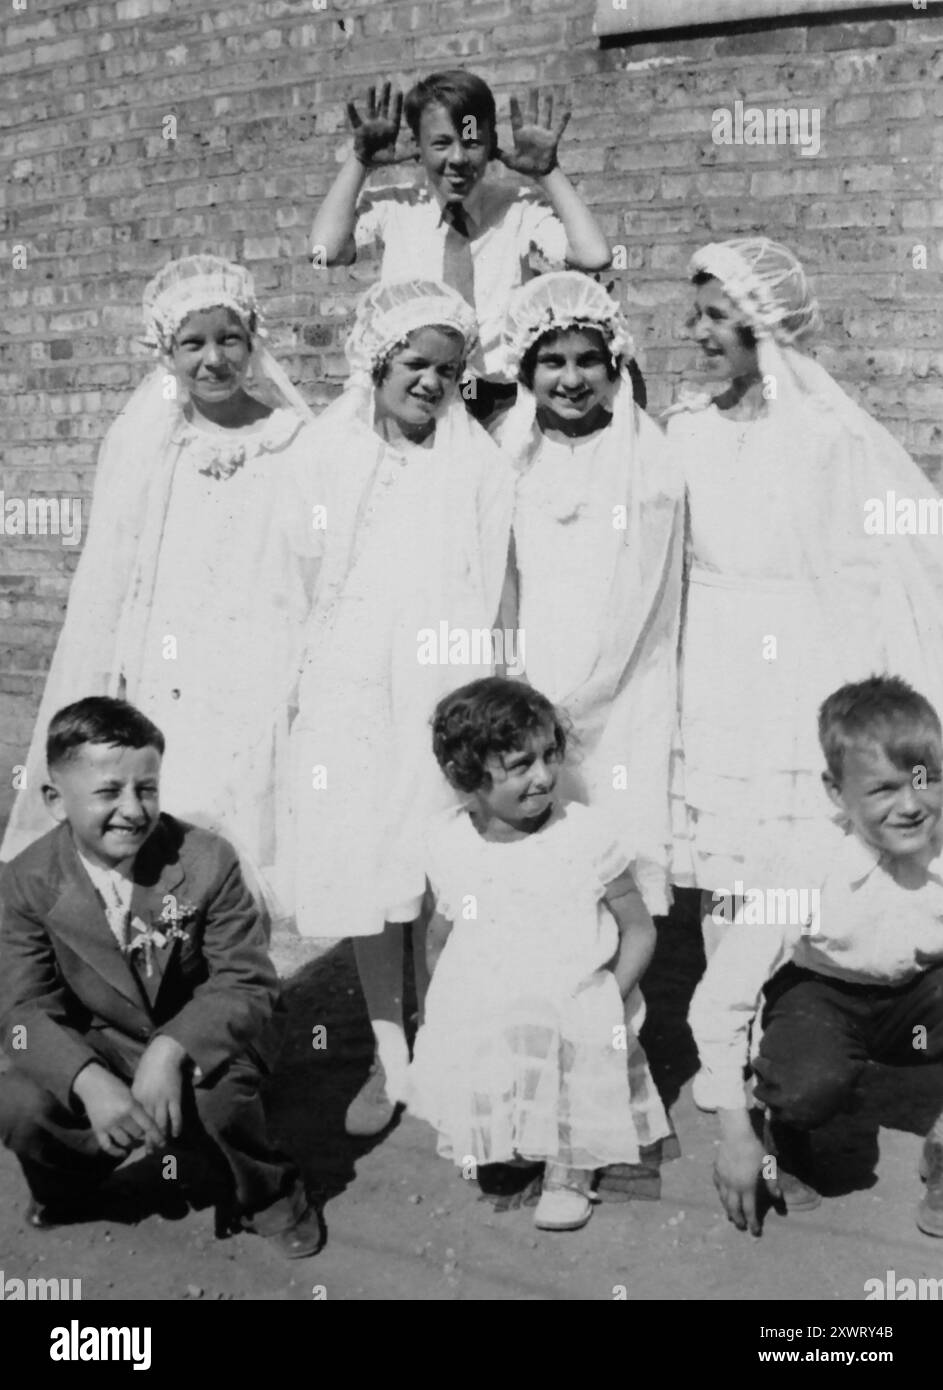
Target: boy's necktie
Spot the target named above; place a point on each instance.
(458, 269)
(118, 913)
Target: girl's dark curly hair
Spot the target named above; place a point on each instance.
(486, 717)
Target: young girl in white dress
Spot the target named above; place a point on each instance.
(181, 603)
(598, 541)
(415, 501)
(791, 590)
(536, 948)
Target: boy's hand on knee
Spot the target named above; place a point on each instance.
(737, 1169)
(119, 1122)
(536, 139)
(376, 135)
(158, 1087)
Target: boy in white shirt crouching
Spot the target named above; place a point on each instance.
(862, 980)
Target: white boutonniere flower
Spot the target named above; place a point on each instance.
(153, 936)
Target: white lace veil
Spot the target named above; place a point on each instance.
(880, 595)
(624, 710)
(460, 537)
(117, 567)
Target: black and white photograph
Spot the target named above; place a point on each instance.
(471, 664)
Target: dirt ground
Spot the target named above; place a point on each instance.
(403, 1224)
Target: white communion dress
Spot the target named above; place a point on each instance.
(598, 536)
(183, 605)
(221, 633)
(566, 555)
(787, 598)
(524, 1046)
(415, 545)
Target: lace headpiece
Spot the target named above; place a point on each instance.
(193, 283)
(389, 312)
(557, 301)
(765, 281)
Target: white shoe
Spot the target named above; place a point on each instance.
(562, 1209)
(371, 1109)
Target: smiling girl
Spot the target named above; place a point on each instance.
(598, 542)
(180, 604)
(417, 502)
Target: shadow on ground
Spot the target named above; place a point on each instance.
(320, 1072)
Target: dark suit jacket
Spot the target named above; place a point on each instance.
(62, 973)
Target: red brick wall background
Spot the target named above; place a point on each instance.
(99, 199)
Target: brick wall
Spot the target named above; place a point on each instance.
(98, 198)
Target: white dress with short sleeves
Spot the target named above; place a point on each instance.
(524, 1048)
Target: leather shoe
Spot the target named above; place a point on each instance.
(39, 1216)
(303, 1239)
(792, 1150)
(47, 1216)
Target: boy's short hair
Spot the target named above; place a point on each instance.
(99, 719)
(461, 93)
(488, 717)
(525, 372)
(884, 710)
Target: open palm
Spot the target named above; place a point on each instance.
(376, 133)
(537, 138)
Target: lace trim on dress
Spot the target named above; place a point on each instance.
(220, 455)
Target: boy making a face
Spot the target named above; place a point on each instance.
(473, 233)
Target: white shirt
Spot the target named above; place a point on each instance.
(115, 890)
(508, 224)
(876, 922)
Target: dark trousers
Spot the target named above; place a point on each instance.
(819, 1033)
(61, 1157)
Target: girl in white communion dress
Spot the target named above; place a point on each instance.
(790, 589)
(538, 943)
(181, 603)
(598, 539)
(416, 504)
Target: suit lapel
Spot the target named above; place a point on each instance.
(78, 916)
(156, 877)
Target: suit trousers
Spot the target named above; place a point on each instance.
(62, 1160)
(818, 1034)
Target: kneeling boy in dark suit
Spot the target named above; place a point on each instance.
(136, 990)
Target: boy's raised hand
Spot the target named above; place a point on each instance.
(375, 135)
(536, 139)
